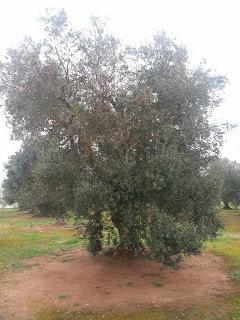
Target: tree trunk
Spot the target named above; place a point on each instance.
(94, 230)
(226, 205)
(127, 243)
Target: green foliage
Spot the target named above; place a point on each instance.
(169, 239)
(40, 178)
(19, 176)
(95, 229)
(123, 131)
(54, 173)
(110, 232)
(229, 175)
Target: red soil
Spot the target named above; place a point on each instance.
(77, 280)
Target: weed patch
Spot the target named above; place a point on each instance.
(156, 283)
(62, 295)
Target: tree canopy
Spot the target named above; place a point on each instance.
(229, 174)
(118, 129)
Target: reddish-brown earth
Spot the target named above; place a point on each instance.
(77, 280)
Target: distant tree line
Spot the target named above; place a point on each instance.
(108, 128)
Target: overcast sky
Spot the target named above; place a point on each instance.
(209, 29)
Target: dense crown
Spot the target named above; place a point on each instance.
(117, 130)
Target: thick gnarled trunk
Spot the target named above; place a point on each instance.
(129, 241)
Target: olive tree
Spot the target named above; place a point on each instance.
(18, 182)
(40, 178)
(135, 122)
(229, 173)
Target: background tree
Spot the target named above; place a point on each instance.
(17, 185)
(55, 174)
(131, 123)
(39, 179)
(2, 202)
(229, 172)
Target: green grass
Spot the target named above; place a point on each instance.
(156, 283)
(23, 236)
(62, 295)
(60, 314)
(20, 239)
(235, 275)
(228, 245)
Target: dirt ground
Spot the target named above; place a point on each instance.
(44, 228)
(78, 281)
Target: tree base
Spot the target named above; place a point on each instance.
(60, 221)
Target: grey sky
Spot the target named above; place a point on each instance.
(209, 29)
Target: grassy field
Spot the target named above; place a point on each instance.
(23, 236)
